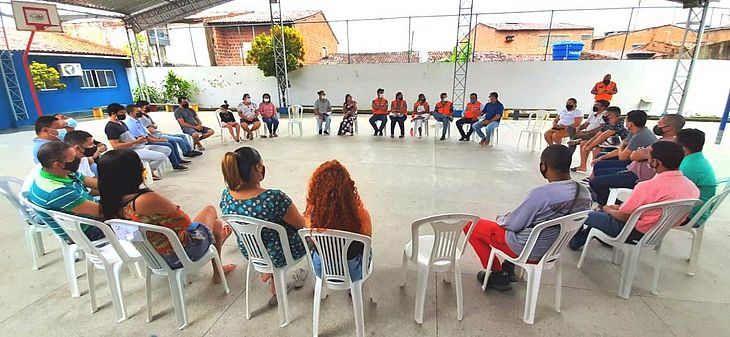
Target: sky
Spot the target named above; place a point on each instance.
(432, 34)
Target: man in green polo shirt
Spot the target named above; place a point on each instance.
(696, 168)
(60, 188)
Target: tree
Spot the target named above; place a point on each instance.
(45, 77)
(262, 51)
(463, 56)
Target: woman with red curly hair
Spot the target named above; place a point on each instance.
(333, 203)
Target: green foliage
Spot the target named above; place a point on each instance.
(45, 77)
(142, 53)
(262, 51)
(463, 56)
(151, 93)
(175, 86)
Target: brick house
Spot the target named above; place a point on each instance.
(664, 39)
(526, 38)
(231, 37)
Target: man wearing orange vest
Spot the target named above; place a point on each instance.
(471, 115)
(398, 115)
(605, 89)
(443, 113)
(380, 113)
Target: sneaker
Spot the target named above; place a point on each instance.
(401, 136)
(264, 136)
(375, 133)
(392, 136)
(183, 161)
(299, 277)
(320, 132)
(274, 136)
(193, 153)
(443, 137)
(499, 281)
(180, 168)
(509, 268)
(200, 148)
(327, 133)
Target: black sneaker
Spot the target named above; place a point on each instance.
(326, 133)
(180, 168)
(193, 153)
(443, 137)
(499, 281)
(183, 161)
(509, 268)
(320, 132)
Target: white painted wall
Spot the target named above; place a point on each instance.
(531, 85)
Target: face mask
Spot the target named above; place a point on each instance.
(146, 108)
(246, 100)
(605, 119)
(380, 95)
(570, 107)
(473, 101)
(606, 82)
(61, 134)
(185, 105)
(121, 117)
(72, 166)
(659, 131)
(399, 98)
(443, 99)
(595, 108)
(70, 122)
(422, 99)
(266, 100)
(139, 115)
(89, 151)
(323, 97)
(652, 164)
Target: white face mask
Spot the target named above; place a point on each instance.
(443, 99)
(380, 95)
(323, 97)
(266, 100)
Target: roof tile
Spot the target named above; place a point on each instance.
(57, 43)
(262, 17)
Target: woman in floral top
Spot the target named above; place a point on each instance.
(243, 171)
(120, 176)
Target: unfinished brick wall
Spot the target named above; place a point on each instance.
(227, 42)
(316, 35)
(667, 34)
(528, 42)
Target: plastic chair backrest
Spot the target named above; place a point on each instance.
(136, 233)
(447, 231)
(713, 203)
(672, 212)
(71, 224)
(10, 193)
(295, 112)
(248, 231)
(332, 246)
(542, 118)
(569, 225)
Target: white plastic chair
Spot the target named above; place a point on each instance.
(697, 232)
(110, 256)
(248, 231)
(223, 131)
(534, 129)
(440, 251)
(69, 251)
(568, 225)
(295, 118)
(33, 228)
(136, 233)
(437, 128)
(332, 246)
(672, 212)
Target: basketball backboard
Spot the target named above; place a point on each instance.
(36, 16)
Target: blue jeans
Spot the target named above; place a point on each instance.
(324, 119)
(273, 125)
(383, 120)
(477, 127)
(600, 220)
(602, 185)
(353, 265)
(445, 120)
(174, 155)
(611, 163)
(397, 120)
(181, 141)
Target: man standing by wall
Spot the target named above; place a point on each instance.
(605, 89)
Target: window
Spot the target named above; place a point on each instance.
(586, 36)
(98, 79)
(509, 38)
(554, 38)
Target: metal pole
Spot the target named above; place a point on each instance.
(157, 44)
(141, 68)
(149, 51)
(723, 121)
(695, 55)
(409, 39)
(637, 15)
(626, 36)
(192, 45)
(286, 71)
(29, 77)
(347, 31)
(550, 30)
(474, 48)
(134, 64)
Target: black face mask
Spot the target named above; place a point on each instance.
(606, 82)
(659, 131)
(569, 107)
(121, 117)
(595, 108)
(422, 99)
(605, 119)
(89, 151)
(72, 166)
(185, 105)
(139, 115)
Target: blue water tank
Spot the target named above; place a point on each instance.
(567, 50)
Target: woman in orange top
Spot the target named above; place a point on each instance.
(444, 112)
(398, 114)
(471, 115)
(421, 113)
(333, 203)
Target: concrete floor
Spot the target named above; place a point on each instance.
(399, 180)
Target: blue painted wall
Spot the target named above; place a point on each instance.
(73, 99)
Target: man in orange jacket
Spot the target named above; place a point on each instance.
(443, 113)
(380, 113)
(471, 115)
(605, 89)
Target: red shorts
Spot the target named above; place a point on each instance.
(487, 235)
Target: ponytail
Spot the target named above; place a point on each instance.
(231, 174)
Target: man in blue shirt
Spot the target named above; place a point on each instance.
(46, 130)
(491, 115)
(153, 143)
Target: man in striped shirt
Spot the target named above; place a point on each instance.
(60, 188)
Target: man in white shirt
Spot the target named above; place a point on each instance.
(570, 117)
(590, 128)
